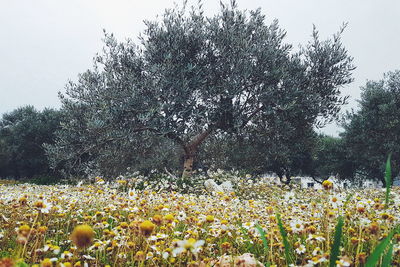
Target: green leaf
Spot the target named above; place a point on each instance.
(264, 240)
(288, 248)
(387, 259)
(22, 264)
(388, 179)
(336, 243)
(373, 259)
(249, 245)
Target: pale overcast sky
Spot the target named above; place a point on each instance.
(45, 43)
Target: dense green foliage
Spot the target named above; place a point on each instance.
(374, 131)
(330, 158)
(285, 153)
(22, 135)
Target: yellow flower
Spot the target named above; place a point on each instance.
(130, 244)
(157, 219)
(169, 217)
(24, 230)
(374, 228)
(354, 240)
(140, 256)
(225, 245)
(327, 185)
(124, 225)
(42, 229)
(82, 236)
(384, 216)
(39, 204)
(147, 227)
(46, 263)
(210, 218)
(22, 200)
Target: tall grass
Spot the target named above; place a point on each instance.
(336, 243)
(387, 260)
(265, 243)
(375, 256)
(288, 248)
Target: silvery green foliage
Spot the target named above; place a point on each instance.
(192, 76)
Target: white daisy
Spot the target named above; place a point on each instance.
(297, 226)
(189, 244)
(301, 249)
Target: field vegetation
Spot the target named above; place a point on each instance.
(118, 224)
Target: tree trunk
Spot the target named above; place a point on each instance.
(285, 181)
(383, 180)
(288, 179)
(188, 165)
(190, 153)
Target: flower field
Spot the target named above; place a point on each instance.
(258, 224)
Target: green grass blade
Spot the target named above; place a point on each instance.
(22, 264)
(387, 259)
(388, 180)
(373, 259)
(248, 242)
(336, 242)
(288, 249)
(264, 240)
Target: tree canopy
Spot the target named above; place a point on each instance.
(22, 135)
(373, 131)
(192, 77)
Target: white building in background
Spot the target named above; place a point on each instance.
(308, 182)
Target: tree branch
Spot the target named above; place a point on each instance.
(199, 139)
(177, 139)
(251, 116)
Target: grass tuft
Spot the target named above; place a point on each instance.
(265, 242)
(388, 180)
(336, 242)
(288, 248)
(387, 259)
(375, 256)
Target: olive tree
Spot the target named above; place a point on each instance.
(192, 76)
(373, 131)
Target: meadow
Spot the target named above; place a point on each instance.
(258, 224)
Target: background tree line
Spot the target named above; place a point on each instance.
(208, 92)
(369, 134)
(23, 132)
